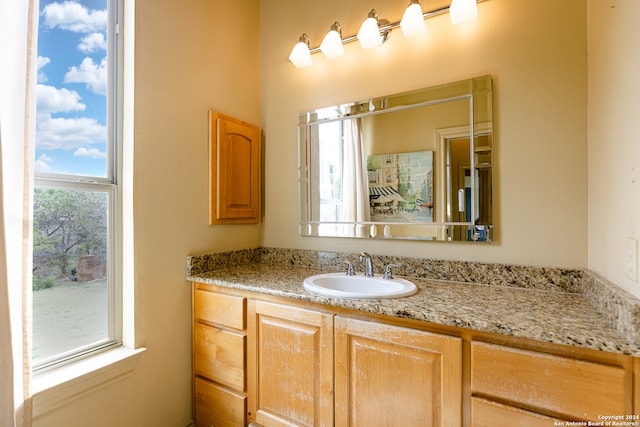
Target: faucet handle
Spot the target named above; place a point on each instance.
(350, 271)
(387, 271)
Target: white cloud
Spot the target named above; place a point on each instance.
(93, 42)
(69, 134)
(73, 16)
(42, 61)
(93, 153)
(42, 163)
(51, 100)
(93, 75)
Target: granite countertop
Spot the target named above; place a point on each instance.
(549, 316)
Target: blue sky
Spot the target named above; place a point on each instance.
(71, 102)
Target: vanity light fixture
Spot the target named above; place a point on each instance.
(301, 55)
(374, 31)
(463, 11)
(331, 46)
(412, 22)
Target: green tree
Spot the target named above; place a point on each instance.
(67, 224)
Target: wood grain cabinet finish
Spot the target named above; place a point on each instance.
(219, 349)
(291, 366)
(271, 363)
(219, 355)
(234, 170)
(485, 413)
(218, 406)
(220, 309)
(565, 387)
(388, 375)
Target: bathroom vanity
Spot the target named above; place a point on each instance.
(266, 351)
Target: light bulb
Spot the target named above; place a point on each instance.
(463, 11)
(369, 34)
(331, 46)
(412, 22)
(300, 55)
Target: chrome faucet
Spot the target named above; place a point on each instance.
(368, 266)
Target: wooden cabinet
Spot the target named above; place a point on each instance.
(383, 374)
(277, 362)
(388, 375)
(290, 366)
(219, 351)
(551, 385)
(234, 170)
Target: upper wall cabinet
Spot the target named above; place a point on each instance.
(234, 170)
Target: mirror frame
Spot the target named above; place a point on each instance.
(478, 92)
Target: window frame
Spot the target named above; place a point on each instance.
(110, 185)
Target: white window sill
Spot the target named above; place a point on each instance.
(58, 387)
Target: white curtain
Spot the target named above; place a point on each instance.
(355, 190)
(18, 34)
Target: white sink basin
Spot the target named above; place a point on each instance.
(339, 285)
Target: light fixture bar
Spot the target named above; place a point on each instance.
(391, 26)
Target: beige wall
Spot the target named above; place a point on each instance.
(614, 136)
(185, 64)
(189, 59)
(406, 130)
(536, 52)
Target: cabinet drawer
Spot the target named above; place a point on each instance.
(220, 355)
(217, 406)
(485, 413)
(575, 388)
(227, 310)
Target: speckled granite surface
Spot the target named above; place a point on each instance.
(523, 305)
(551, 279)
(620, 308)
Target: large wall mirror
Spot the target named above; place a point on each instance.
(413, 165)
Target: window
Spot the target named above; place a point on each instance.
(76, 290)
(331, 140)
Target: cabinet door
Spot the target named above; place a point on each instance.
(388, 375)
(290, 366)
(234, 170)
